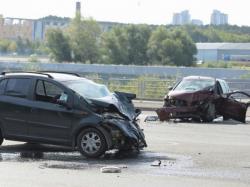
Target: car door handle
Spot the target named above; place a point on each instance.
(33, 110)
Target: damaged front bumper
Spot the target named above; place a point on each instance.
(126, 135)
(172, 112)
(208, 109)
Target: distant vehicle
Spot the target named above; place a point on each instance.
(200, 62)
(202, 99)
(66, 109)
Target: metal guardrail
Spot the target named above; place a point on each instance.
(144, 89)
(157, 89)
(147, 89)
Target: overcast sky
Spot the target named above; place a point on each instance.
(129, 11)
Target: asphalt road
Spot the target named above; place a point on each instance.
(191, 154)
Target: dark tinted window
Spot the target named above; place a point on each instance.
(52, 90)
(2, 85)
(45, 88)
(40, 88)
(49, 92)
(18, 87)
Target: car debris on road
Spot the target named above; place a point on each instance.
(156, 163)
(111, 169)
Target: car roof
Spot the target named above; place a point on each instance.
(22, 74)
(59, 76)
(62, 77)
(204, 78)
(199, 77)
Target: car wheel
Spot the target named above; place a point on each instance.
(1, 138)
(209, 113)
(91, 143)
(225, 118)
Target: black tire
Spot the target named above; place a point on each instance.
(91, 143)
(196, 119)
(209, 113)
(225, 118)
(1, 138)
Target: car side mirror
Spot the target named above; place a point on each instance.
(170, 88)
(64, 103)
(138, 111)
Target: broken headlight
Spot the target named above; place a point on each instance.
(108, 115)
(197, 103)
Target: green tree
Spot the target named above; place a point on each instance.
(24, 46)
(4, 45)
(212, 33)
(155, 51)
(20, 46)
(138, 37)
(58, 45)
(187, 47)
(39, 48)
(167, 47)
(84, 39)
(195, 33)
(12, 46)
(126, 44)
(115, 46)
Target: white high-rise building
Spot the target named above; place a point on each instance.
(181, 18)
(219, 18)
(196, 22)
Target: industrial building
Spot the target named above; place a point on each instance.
(36, 29)
(223, 51)
(12, 28)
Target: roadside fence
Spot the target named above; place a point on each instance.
(157, 89)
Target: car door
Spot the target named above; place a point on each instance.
(231, 108)
(228, 106)
(15, 109)
(50, 120)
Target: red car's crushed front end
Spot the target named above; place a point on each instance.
(185, 105)
(202, 99)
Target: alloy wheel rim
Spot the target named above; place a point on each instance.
(91, 143)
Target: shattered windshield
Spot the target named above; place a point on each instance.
(88, 89)
(194, 84)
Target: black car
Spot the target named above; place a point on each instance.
(66, 109)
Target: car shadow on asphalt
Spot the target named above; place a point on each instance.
(218, 121)
(48, 153)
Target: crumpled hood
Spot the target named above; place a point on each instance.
(190, 95)
(119, 102)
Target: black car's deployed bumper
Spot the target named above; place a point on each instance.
(126, 134)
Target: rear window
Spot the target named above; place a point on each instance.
(18, 87)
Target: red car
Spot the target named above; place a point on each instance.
(202, 99)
